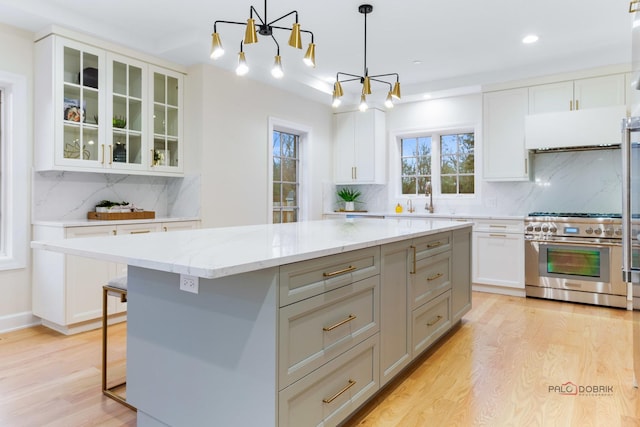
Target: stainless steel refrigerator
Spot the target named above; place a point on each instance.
(631, 190)
(631, 227)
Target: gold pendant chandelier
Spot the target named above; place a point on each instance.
(265, 28)
(366, 79)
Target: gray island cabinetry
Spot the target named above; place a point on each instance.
(293, 324)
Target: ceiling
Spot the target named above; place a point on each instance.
(435, 46)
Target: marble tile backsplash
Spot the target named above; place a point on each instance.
(70, 195)
(576, 181)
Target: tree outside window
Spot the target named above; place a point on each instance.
(457, 164)
(416, 164)
(286, 182)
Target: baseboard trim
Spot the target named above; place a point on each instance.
(13, 322)
(498, 290)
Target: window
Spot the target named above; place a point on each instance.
(457, 164)
(286, 182)
(446, 159)
(14, 171)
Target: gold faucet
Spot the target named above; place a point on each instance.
(429, 192)
(410, 208)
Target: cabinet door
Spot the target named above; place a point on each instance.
(78, 105)
(551, 97)
(505, 155)
(490, 252)
(461, 274)
(126, 116)
(180, 225)
(344, 163)
(85, 278)
(166, 120)
(599, 92)
(395, 333)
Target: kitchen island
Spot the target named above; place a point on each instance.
(292, 324)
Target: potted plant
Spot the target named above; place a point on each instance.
(350, 197)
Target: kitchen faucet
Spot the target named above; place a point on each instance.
(429, 192)
(410, 208)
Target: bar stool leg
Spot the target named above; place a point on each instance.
(108, 391)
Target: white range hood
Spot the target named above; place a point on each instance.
(588, 128)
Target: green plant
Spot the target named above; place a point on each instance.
(349, 194)
(110, 204)
(119, 122)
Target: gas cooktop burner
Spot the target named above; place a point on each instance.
(576, 215)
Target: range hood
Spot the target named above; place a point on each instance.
(587, 129)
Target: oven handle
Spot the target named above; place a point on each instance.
(576, 243)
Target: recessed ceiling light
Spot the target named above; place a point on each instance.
(531, 38)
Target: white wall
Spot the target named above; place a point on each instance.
(235, 115)
(16, 57)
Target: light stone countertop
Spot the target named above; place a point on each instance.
(91, 222)
(225, 251)
(423, 214)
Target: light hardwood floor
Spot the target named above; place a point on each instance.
(495, 369)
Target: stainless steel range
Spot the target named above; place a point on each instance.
(575, 257)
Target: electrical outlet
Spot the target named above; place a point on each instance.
(189, 283)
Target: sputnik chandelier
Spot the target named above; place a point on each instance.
(366, 79)
(264, 28)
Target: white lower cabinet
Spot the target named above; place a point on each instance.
(67, 289)
(498, 253)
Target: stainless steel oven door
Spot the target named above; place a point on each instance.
(577, 271)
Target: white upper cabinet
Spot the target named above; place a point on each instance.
(97, 110)
(594, 92)
(359, 147)
(504, 153)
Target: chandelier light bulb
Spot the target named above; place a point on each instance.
(310, 57)
(336, 101)
(277, 71)
(363, 103)
(389, 101)
(242, 67)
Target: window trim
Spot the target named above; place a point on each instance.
(435, 133)
(304, 144)
(14, 192)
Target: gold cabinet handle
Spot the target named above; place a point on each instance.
(413, 266)
(111, 154)
(438, 318)
(577, 107)
(433, 245)
(151, 160)
(335, 396)
(634, 6)
(497, 235)
(340, 323)
(140, 232)
(336, 273)
(497, 226)
(570, 105)
(434, 277)
(102, 148)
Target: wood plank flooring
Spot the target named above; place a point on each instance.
(495, 369)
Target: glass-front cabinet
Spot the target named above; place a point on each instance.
(100, 110)
(127, 113)
(166, 119)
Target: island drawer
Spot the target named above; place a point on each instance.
(432, 276)
(428, 246)
(305, 279)
(430, 321)
(331, 393)
(316, 330)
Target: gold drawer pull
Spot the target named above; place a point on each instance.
(434, 245)
(140, 232)
(110, 154)
(497, 226)
(438, 318)
(344, 270)
(634, 6)
(340, 323)
(497, 235)
(413, 267)
(335, 396)
(434, 277)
